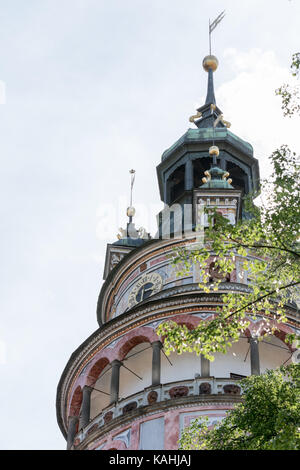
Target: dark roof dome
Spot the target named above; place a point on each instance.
(130, 242)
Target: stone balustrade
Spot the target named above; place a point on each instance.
(160, 393)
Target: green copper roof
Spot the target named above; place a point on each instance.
(207, 134)
(130, 241)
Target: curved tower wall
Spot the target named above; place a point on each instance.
(124, 360)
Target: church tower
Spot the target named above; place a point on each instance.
(119, 390)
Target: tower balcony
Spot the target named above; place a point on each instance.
(159, 398)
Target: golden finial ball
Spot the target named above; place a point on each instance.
(214, 150)
(210, 62)
(130, 211)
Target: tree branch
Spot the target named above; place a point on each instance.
(261, 298)
(271, 247)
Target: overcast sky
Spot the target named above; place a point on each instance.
(93, 89)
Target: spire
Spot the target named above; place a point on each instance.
(210, 97)
(210, 64)
(209, 115)
(209, 112)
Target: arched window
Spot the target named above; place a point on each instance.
(176, 183)
(238, 176)
(136, 372)
(76, 402)
(200, 165)
(100, 396)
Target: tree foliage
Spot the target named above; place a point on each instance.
(268, 418)
(290, 93)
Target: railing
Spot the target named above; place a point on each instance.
(196, 387)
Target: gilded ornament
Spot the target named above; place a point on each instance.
(214, 150)
(195, 116)
(210, 62)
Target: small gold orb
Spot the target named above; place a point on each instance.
(204, 180)
(229, 180)
(210, 62)
(214, 150)
(130, 211)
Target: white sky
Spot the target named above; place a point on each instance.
(94, 88)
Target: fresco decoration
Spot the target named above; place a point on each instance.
(148, 283)
(214, 416)
(124, 437)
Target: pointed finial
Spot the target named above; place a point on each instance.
(206, 115)
(130, 212)
(210, 64)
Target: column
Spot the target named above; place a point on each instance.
(85, 407)
(72, 430)
(205, 367)
(223, 163)
(188, 183)
(254, 356)
(115, 380)
(156, 360)
(167, 191)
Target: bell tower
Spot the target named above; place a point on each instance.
(210, 150)
(183, 165)
(119, 390)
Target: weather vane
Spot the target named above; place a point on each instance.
(213, 25)
(130, 212)
(214, 150)
(132, 173)
(209, 61)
